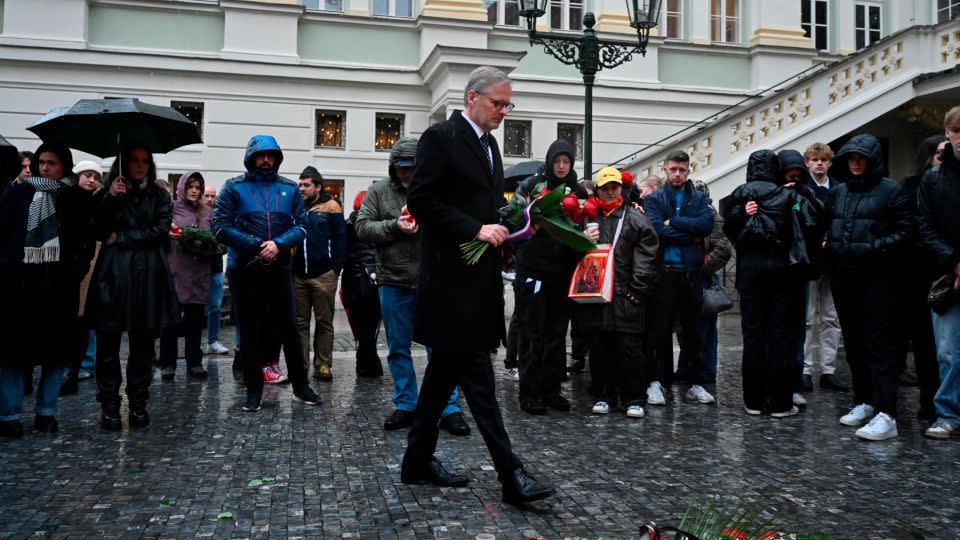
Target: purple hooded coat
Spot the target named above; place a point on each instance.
(191, 273)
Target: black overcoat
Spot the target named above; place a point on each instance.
(452, 194)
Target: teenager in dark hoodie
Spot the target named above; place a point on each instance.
(544, 268)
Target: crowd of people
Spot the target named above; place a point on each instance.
(826, 246)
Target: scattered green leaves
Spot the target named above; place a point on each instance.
(269, 450)
(257, 482)
(224, 516)
(134, 472)
(165, 502)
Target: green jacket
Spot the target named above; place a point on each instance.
(398, 254)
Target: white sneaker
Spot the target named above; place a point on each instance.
(700, 394)
(655, 394)
(784, 414)
(752, 412)
(602, 407)
(635, 411)
(940, 429)
(881, 428)
(511, 374)
(857, 415)
(215, 348)
(798, 400)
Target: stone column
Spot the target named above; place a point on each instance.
(612, 17)
(468, 10)
(45, 23)
(699, 17)
(845, 23)
(776, 22)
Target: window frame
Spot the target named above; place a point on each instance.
(174, 103)
(952, 10)
(867, 30)
(376, 120)
(665, 15)
(502, 13)
(565, 18)
(578, 136)
(321, 3)
(316, 129)
(815, 29)
(528, 152)
(718, 22)
(391, 9)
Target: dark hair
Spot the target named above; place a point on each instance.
(313, 174)
(198, 204)
(678, 157)
(925, 152)
(26, 154)
(125, 158)
(62, 153)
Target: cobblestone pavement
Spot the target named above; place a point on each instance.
(331, 471)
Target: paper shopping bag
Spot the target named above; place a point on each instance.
(592, 281)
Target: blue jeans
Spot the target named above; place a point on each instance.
(396, 307)
(946, 331)
(213, 308)
(11, 392)
(90, 357)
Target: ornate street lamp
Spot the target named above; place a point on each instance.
(589, 54)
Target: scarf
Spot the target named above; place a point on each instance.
(42, 243)
(609, 207)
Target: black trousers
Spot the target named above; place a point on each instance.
(867, 308)
(917, 325)
(473, 372)
(139, 366)
(579, 337)
(192, 317)
(544, 312)
(768, 306)
(266, 317)
(620, 362)
(679, 298)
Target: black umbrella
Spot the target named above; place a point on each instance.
(9, 162)
(102, 127)
(519, 172)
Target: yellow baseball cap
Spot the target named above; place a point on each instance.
(607, 175)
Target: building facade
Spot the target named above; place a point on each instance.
(338, 81)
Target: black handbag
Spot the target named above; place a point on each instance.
(716, 299)
(942, 294)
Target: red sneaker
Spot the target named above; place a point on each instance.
(273, 375)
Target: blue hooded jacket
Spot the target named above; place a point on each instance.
(259, 206)
(688, 227)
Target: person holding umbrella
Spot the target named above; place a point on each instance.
(132, 288)
(44, 253)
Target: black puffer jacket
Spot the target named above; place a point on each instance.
(870, 222)
(542, 256)
(635, 271)
(360, 263)
(938, 219)
(764, 240)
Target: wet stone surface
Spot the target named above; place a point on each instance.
(331, 471)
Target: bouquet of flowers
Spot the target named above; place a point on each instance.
(554, 211)
(710, 518)
(199, 242)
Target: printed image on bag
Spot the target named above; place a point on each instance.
(592, 280)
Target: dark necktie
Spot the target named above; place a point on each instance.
(485, 143)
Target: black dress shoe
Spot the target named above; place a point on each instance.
(533, 406)
(454, 424)
(829, 381)
(45, 424)
(398, 420)
(11, 428)
(806, 383)
(521, 488)
(577, 365)
(557, 403)
(435, 474)
(197, 372)
(138, 414)
(110, 417)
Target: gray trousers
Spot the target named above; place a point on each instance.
(823, 329)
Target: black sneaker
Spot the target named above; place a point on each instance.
(533, 406)
(197, 372)
(138, 416)
(45, 424)
(398, 420)
(557, 403)
(110, 417)
(307, 396)
(252, 404)
(167, 373)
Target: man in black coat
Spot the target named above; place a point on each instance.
(455, 193)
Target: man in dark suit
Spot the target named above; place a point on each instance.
(455, 193)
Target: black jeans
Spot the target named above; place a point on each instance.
(192, 317)
(266, 317)
(620, 362)
(473, 372)
(544, 312)
(579, 337)
(768, 306)
(679, 298)
(867, 307)
(139, 366)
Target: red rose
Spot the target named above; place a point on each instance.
(571, 205)
(591, 208)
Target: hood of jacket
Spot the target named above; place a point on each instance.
(183, 211)
(262, 143)
(865, 145)
(558, 147)
(764, 166)
(405, 148)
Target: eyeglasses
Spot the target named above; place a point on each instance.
(500, 105)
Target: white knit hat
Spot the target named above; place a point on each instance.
(87, 165)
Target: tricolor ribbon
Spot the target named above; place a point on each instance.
(527, 230)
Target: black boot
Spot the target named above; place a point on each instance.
(45, 424)
(70, 385)
(110, 415)
(138, 413)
